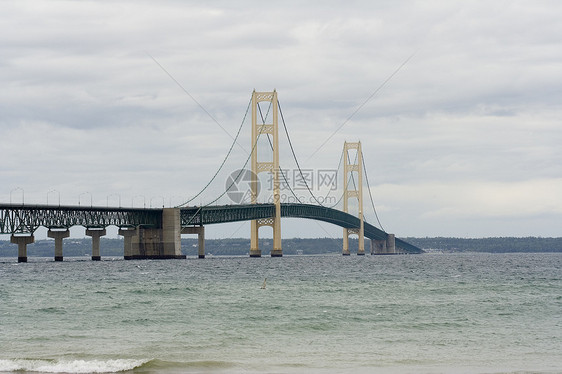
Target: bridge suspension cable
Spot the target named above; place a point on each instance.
(343, 191)
(297, 162)
(369, 188)
(241, 170)
(352, 179)
(295, 156)
(300, 170)
(235, 180)
(371, 196)
(224, 161)
(271, 145)
(330, 190)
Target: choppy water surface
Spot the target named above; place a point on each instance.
(321, 314)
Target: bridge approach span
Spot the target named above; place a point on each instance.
(25, 219)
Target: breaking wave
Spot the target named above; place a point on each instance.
(70, 366)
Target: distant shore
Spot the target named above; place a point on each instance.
(293, 246)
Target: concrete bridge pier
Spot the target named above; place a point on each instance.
(391, 244)
(378, 247)
(22, 242)
(95, 234)
(200, 231)
(171, 234)
(58, 235)
(384, 247)
(127, 235)
(160, 242)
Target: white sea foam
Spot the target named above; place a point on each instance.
(70, 366)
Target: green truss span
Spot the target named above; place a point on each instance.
(25, 219)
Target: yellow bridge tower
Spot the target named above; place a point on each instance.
(356, 192)
(271, 167)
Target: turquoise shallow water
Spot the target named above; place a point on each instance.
(461, 313)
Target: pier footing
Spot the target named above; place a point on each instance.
(276, 253)
(384, 247)
(22, 242)
(58, 235)
(95, 233)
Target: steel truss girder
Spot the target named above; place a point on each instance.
(233, 213)
(199, 216)
(28, 218)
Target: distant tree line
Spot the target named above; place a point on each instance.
(239, 246)
(490, 245)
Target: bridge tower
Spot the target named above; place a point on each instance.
(271, 167)
(356, 192)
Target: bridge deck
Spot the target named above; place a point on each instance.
(20, 219)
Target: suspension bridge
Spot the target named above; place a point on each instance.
(155, 233)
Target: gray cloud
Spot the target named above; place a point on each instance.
(463, 141)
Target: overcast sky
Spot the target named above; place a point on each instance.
(464, 138)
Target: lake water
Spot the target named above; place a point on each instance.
(457, 313)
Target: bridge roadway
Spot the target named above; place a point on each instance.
(25, 219)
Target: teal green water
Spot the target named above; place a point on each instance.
(469, 313)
